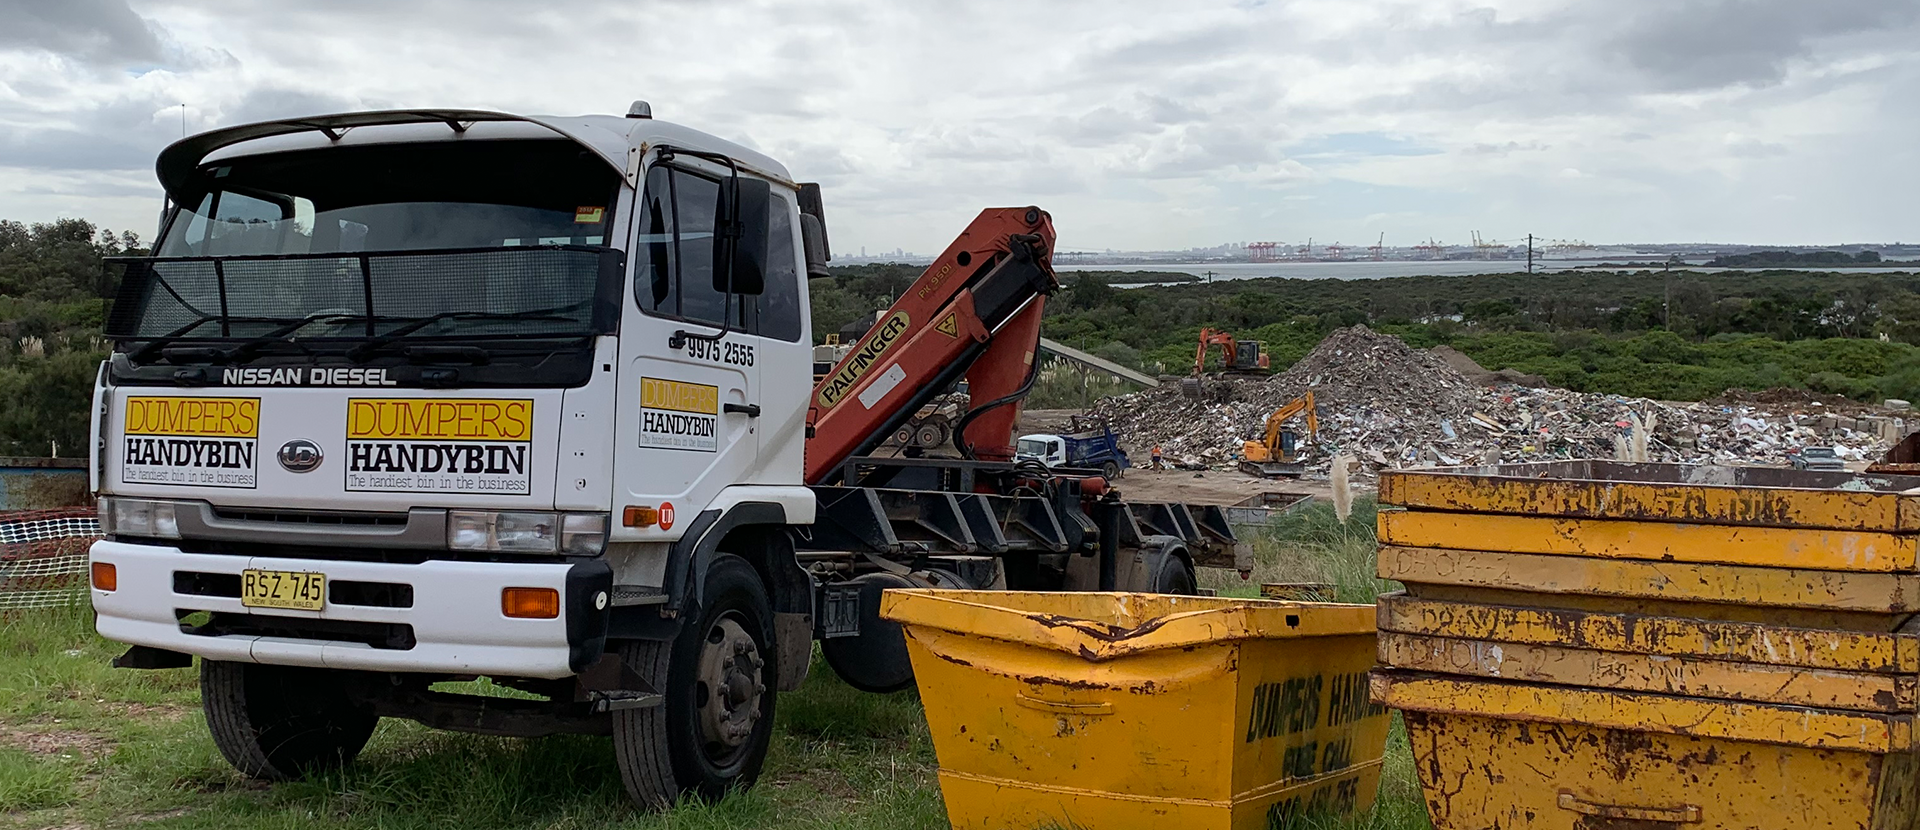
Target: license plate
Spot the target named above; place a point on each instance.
(297, 590)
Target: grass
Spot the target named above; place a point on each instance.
(86, 745)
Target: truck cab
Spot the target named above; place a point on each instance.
(405, 397)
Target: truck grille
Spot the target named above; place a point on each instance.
(339, 591)
(386, 636)
(304, 517)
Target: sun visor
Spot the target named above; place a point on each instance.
(178, 161)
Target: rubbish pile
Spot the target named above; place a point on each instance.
(1394, 406)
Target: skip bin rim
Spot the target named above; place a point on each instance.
(1898, 651)
(1601, 489)
(1414, 691)
(1239, 619)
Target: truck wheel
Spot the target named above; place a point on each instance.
(930, 435)
(876, 660)
(282, 722)
(1172, 575)
(712, 733)
(1111, 470)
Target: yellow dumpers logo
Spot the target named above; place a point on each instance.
(439, 445)
(197, 442)
(676, 415)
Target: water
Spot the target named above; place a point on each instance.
(1369, 270)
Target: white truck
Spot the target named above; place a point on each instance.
(415, 396)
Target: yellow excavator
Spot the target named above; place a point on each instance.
(1278, 455)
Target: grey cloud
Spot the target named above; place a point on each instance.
(62, 149)
(96, 31)
(127, 133)
(119, 134)
(1705, 45)
(1153, 56)
(1484, 149)
(1754, 148)
(267, 104)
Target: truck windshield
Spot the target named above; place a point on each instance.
(420, 240)
(1030, 447)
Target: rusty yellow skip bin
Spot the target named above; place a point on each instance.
(1097, 711)
(1536, 757)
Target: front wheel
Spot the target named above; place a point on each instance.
(282, 722)
(712, 733)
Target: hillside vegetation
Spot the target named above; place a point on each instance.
(1679, 336)
(50, 318)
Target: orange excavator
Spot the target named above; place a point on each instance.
(1238, 357)
(1279, 453)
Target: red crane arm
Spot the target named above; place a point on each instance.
(975, 311)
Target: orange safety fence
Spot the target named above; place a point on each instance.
(43, 556)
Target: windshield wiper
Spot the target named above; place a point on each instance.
(141, 354)
(165, 345)
(373, 346)
(283, 334)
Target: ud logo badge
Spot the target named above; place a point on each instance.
(300, 456)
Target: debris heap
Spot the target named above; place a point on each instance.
(1391, 405)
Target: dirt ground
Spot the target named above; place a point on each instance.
(1208, 487)
(1211, 486)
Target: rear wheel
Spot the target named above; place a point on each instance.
(876, 659)
(712, 733)
(931, 434)
(282, 722)
(1172, 575)
(1111, 470)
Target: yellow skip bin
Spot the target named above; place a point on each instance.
(1097, 711)
(1531, 757)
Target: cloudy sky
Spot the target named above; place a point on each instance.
(1138, 123)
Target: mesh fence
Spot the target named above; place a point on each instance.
(43, 556)
(532, 291)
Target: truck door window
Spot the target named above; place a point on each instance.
(674, 271)
(676, 247)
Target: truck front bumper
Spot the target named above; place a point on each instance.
(452, 625)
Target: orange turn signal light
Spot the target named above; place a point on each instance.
(639, 516)
(530, 603)
(105, 576)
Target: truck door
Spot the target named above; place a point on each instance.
(685, 427)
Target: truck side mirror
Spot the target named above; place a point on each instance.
(748, 263)
(814, 236)
(812, 205)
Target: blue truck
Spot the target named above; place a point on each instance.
(1094, 448)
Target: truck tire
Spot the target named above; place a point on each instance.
(876, 659)
(712, 733)
(1172, 575)
(282, 722)
(1111, 470)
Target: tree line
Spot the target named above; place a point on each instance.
(1684, 335)
(50, 320)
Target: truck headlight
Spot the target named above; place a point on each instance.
(583, 534)
(527, 531)
(139, 517)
